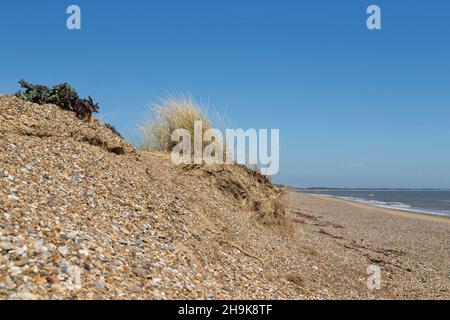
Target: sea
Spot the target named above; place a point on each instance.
(429, 201)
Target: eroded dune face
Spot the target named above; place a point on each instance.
(83, 215)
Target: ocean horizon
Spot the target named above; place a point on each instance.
(433, 201)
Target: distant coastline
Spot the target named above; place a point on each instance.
(431, 201)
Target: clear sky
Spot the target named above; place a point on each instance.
(355, 107)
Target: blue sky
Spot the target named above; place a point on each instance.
(355, 108)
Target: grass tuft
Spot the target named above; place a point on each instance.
(174, 112)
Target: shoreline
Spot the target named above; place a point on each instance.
(391, 211)
(343, 239)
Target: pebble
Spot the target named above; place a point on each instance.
(13, 197)
(63, 250)
(7, 246)
(81, 202)
(25, 296)
(21, 262)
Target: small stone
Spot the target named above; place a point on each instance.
(63, 236)
(140, 271)
(13, 197)
(63, 250)
(25, 295)
(14, 270)
(21, 250)
(51, 280)
(171, 246)
(84, 252)
(154, 282)
(124, 230)
(40, 280)
(8, 246)
(116, 262)
(125, 214)
(56, 287)
(198, 276)
(136, 289)
(9, 284)
(21, 262)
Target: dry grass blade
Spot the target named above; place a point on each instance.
(174, 112)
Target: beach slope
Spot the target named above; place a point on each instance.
(412, 250)
(83, 215)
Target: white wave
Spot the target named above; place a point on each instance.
(395, 206)
(390, 205)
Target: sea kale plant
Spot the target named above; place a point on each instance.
(61, 95)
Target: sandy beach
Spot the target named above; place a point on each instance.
(136, 226)
(412, 250)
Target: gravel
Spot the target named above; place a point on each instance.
(81, 220)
